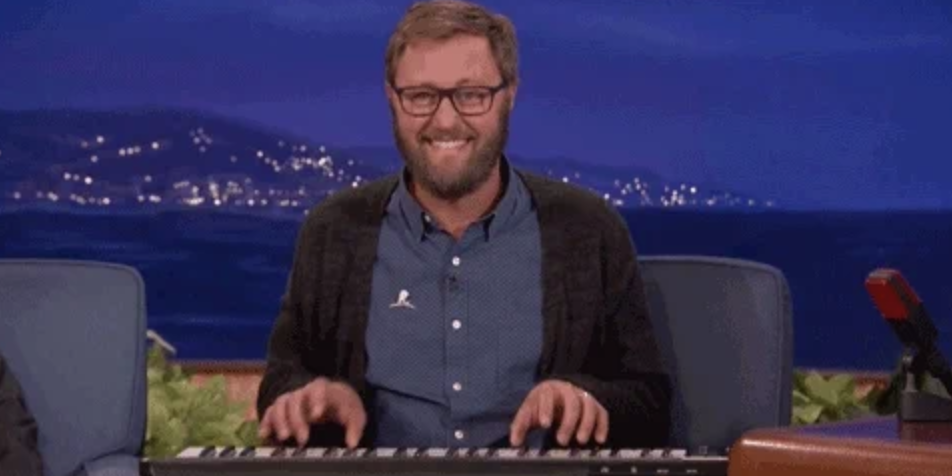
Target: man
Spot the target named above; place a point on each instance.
(19, 455)
(462, 302)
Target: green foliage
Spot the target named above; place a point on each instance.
(818, 400)
(182, 413)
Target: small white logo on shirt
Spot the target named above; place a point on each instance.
(403, 300)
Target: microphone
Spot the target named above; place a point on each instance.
(901, 307)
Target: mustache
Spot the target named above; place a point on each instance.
(446, 135)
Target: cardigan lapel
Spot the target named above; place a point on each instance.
(362, 239)
(554, 252)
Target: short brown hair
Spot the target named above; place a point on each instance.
(444, 19)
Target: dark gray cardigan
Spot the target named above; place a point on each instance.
(597, 334)
(19, 444)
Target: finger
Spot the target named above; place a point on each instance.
(571, 407)
(296, 417)
(317, 401)
(522, 421)
(601, 426)
(587, 423)
(264, 428)
(546, 407)
(355, 419)
(279, 421)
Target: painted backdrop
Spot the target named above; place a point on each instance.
(188, 138)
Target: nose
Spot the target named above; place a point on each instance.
(445, 114)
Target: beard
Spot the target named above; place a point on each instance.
(485, 155)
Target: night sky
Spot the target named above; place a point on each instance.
(817, 103)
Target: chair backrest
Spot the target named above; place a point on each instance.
(73, 333)
(725, 329)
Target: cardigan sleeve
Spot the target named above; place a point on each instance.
(285, 370)
(290, 363)
(624, 369)
(19, 453)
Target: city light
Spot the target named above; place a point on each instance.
(289, 176)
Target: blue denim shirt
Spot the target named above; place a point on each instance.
(455, 328)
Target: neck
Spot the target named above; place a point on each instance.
(455, 216)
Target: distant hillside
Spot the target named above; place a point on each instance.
(172, 158)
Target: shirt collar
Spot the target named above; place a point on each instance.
(420, 223)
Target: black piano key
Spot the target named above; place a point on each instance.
(208, 452)
(279, 452)
(577, 453)
(353, 452)
(228, 452)
(340, 452)
(248, 451)
(298, 452)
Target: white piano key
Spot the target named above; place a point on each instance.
(191, 452)
(316, 452)
(436, 452)
(508, 453)
(656, 453)
(264, 451)
(629, 453)
(385, 452)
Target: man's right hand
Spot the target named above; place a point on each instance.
(321, 401)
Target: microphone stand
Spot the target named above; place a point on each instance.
(917, 405)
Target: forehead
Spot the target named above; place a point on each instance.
(446, 63)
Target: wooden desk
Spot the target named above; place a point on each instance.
(875, 447)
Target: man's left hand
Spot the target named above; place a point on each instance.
(578, 414)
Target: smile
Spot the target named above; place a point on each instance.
(447, 145)
(451, 144)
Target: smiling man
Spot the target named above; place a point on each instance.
(462, 302)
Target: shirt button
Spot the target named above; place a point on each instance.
(457, 386)
(457, 324)
(459, 434)
(456, 261)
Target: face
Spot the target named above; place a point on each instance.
(448, 154)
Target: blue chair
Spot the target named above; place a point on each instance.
(725, 330)
(74, 334)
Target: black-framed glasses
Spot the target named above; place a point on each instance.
(467, 100)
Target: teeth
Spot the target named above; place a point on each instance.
(452, 144)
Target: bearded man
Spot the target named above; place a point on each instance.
(462, 302)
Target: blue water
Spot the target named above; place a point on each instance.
(214, 280)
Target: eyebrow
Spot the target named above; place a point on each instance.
(461, 82)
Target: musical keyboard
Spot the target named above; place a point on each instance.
(267, 461)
